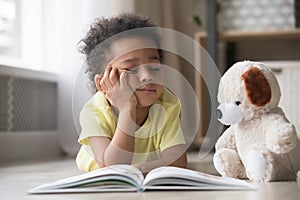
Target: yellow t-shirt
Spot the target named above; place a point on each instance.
(160, 131)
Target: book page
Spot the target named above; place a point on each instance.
(106, 179)
(174, 177)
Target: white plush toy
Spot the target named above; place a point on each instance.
(260, 144)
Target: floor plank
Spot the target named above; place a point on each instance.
(17, 178)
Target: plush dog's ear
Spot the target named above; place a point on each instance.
(257, 88)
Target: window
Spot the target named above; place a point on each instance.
(8, 45)
(43, 34)
(22, 34)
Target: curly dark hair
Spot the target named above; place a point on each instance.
(104, 28)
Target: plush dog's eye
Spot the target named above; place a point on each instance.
(238, 103)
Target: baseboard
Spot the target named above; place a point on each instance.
(20, 145)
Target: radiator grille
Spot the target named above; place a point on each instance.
(27, 105)
(3, 103)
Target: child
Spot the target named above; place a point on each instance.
(132, 118)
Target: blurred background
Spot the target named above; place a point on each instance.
(39, 59)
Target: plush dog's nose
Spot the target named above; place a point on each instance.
(219, 114)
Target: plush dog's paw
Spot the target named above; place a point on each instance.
(256, 166)
(219, 163)
(227, 162)
(282, 140)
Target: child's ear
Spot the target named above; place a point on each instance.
(97, 80)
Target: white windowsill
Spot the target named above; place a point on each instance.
(23, 72)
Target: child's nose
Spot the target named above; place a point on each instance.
(145, 74)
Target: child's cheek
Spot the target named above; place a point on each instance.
(133, 81)
(159, 79)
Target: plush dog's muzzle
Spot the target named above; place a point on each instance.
(229, 113)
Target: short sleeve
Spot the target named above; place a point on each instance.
(96, 119)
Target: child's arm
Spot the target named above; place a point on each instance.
(120, 148)
(173, 156)
(116, 151)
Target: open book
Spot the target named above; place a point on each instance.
(126, 178)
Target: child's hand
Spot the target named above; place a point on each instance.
(117, 90)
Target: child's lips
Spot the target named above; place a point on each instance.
(146, 90)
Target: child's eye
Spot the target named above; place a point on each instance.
(154, 69)
(132, 71)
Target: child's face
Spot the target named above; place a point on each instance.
(143, 69)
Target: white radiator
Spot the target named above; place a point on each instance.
(28, 114)
(288, 75)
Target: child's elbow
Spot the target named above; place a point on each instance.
(180, 162)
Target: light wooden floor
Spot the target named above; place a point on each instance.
(17, 178)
